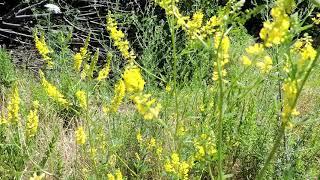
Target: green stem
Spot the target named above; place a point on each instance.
(175, 73)
(276, 144)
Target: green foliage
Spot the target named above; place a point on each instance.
(7, 71)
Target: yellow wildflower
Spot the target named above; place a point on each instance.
(84, 72)
(14, 106)
(209, 28)
(80, 136)
(221, 45)
(316, 19)
(246, 61)
(43, 48)
(266, 65)
(255, 49)
(149, 109)
(80, 56)
(133, 79)
(120, 90)
(274, 33)
(168, 88)
(53, 92)
(82, 98)
(118, 175)
(290, 89)
(103, 73)
(32, 121)
(110, 176)
(177, 167)
(119, 39)
(36, 177)
(77, 61)
(139, 137)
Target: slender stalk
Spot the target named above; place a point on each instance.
(281, 133)
(220, 114)
(175, 64)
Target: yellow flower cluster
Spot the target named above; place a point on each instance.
(305, 51)
(36, 177)
(149, 109)
(205, 147)
(43, 48)
(133, 79)
(265, 65)
(177, 167)
(117, 175)
(274, 33)
(194, 26)
(133, 84)
(80, 56)
(119, 40)
(82, 98)
(316, 19)
(52, 91)
(120, 90)
(104, 72)
(32, 121)
(257, 51)
(14, 106)
(221, 45)
(80, 136)
(290, 89)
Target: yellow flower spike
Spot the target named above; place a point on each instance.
(316, 19)
(14, 106)
(32, 121)
(266, 65)
(221, 45)
(52, 91)
(77, 61)
(84, 72)
(82, 98)
(119, 39)
(133, 79)
(120, 90)
(177, 167)
(80, 136)
(110, 176)
(103, 73)
(118, 175)
(93, 63)
(139, 137)
(255, 49)
(149, 109)
(43, 48)
(36, 177)
(274, 33)
(246, 61)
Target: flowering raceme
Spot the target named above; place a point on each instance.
(43, 48)
(52, 91)
(80, 136)
(119, 40)
(80, 56)
(177, 167)
(221, 45)
(82, 98)
(274, 33)
(149, 109)
(32, 121)
(103, 73)
(133, 79)
(14, 106)
(120, 90)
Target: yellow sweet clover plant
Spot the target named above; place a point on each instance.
(32, 121)
(13, 108)
(43, 49)
(53, 91)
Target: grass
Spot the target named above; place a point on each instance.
(206, 129)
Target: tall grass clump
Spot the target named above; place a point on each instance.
(200, 99)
